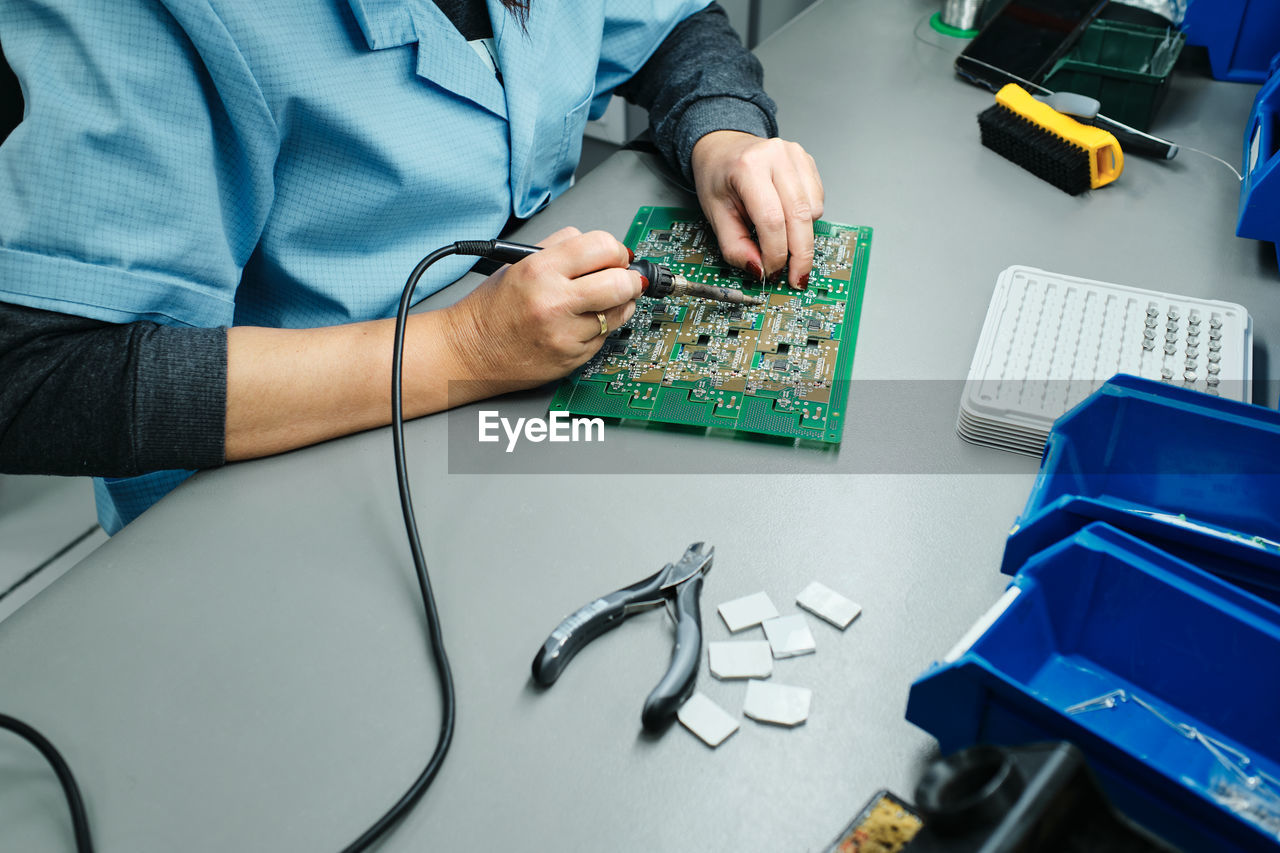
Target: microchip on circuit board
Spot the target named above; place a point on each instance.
(780, 368)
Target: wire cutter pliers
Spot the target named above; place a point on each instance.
(682, 581)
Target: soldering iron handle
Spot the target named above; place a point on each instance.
(502, 251)
(658, 279)
(587, 623)
(676, 686)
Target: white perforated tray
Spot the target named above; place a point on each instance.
(1050, 340)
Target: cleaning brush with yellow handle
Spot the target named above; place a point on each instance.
(1074, 157)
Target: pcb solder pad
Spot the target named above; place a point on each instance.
(781, 368)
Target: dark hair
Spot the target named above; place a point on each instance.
(519, 9)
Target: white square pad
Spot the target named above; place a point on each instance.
(789, 636)
(749, 659)
(777, 703)
(747, 611)
(711, 723)
(828, 604)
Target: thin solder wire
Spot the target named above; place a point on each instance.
(1228, 756)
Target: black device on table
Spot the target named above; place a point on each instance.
(1024, 40)
(1040, 797)
(1022, 43)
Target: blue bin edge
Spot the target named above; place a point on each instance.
(949, 700)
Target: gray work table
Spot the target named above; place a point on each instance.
(244, 668)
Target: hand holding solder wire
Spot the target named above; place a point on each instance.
(768, 186)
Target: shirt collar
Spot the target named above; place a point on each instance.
(390, 23)
(385, 23)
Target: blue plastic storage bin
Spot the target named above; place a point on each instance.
(1103, 611)
(1198, 476)
(1250, 562)
(1161, 448)
(1260, 189)
(1241, 35)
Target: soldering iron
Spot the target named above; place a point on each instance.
(659, 280)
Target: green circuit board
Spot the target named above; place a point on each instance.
(781, 368)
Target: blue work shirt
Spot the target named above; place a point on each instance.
(284, 163)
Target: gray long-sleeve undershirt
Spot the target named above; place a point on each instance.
(85, 397)
(81, 396)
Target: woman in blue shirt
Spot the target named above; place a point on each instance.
(210, 208)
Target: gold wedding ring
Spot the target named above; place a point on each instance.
(604, 324)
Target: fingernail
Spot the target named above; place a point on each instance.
(775, 276)
(644, 283)
(631, 256)
(753, 270)
(803, 283)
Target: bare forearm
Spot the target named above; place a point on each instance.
(287, 388)
(86, 397)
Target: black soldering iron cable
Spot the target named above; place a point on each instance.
(496, 250)
(443, 672)
(79, 820)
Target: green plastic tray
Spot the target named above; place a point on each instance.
(1125, 66)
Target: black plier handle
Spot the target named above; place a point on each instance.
(681, 580)
(682, 673)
